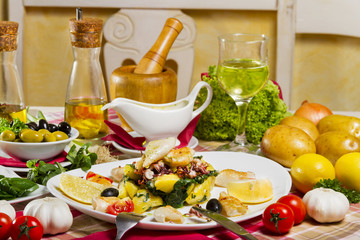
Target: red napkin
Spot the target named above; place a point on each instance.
(123, 138)
(14, 162)
(142, 234)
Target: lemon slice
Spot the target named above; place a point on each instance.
(251, 190)
(80, 189)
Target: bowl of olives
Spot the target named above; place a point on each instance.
(40, 140)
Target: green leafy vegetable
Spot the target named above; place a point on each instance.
(81, 159)
(44, 171)
(16, 126)
(220, 120)
(11, 188)
(352, 195)
(265, 110)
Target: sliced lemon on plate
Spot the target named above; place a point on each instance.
(251, 190)
(80, 189)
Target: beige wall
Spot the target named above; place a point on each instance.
(326, 67)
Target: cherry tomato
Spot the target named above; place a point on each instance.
(5, 226)
(278, 218)
(123, 205)
(297, 205)
(26, 228)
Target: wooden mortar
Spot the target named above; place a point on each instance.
(149, 88)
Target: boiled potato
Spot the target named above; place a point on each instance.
(129, 171)
(145, 200)
(201, 192)
(122, 190)
(131, 188)
(284, 144)
(166, 182)
(334, 144)
(302, 123)
(342, 123)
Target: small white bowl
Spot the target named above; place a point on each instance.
(43, 150)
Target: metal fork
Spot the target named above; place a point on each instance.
(126, 221)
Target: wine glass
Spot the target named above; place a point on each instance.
(242, 72)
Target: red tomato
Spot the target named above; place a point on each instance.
(123, 205)
(297, 205)
(5, 226)
(278, 218)
(26, 228)
(94, 177)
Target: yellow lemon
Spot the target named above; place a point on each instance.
(80, 189)
(308, 169)
(347, 169)
(251, 190)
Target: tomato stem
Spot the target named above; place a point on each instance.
(275, 218)
(25, 229)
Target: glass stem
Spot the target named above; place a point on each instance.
(242, 106)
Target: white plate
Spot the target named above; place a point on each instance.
(137, 153)
(258, 152)
(262, 167)
(42, 190)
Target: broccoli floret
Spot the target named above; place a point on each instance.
(265, 110)
(220, 120)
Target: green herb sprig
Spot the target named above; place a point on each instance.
(44, 171)
(352, 195)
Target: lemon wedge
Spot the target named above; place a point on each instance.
(251, 190)
(80, 189)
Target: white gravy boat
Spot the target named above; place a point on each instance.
(158, 121)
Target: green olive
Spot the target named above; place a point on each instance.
(23, 130)
(8, 135)
(44, 132)
(49, 137)
(31, 136)
(60, 135)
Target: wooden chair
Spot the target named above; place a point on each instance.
(339, 17)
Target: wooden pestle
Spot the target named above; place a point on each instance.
(154, 60)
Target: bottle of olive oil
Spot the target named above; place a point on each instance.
(11, 92)
(86, 92)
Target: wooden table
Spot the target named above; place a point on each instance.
(86, 227)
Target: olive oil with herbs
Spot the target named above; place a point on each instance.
(11, 112)
(87, 117)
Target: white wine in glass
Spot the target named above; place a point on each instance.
(242, 72)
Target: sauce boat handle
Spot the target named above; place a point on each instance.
(195, 92)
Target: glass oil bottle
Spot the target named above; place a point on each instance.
(11, 92)
(86, 93)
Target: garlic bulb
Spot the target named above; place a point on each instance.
(326, 205)
(5, 207)
(53, 213)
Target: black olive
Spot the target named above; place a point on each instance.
(214, 205)
(64, 127)
(32, 126)
(43, 124)
(52, 127)
(11, 123)
(110, 192)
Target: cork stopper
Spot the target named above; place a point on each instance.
(86, 32)
(8, 36)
